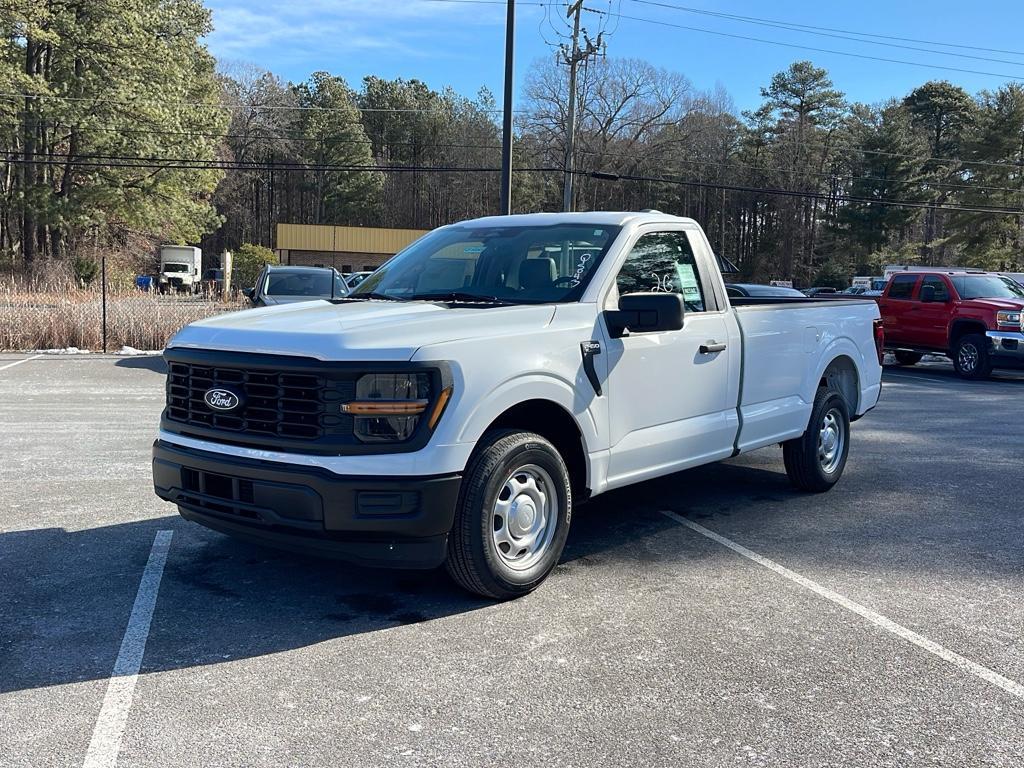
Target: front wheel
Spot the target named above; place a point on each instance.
(971, 359)
(815, 460)
(512, 517)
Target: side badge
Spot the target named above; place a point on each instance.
(589, 349)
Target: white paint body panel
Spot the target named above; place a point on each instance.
(665, 406)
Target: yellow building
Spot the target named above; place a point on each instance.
(347, 249)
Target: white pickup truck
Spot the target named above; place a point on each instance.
(457, 404)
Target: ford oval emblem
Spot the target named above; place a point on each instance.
(222, 399)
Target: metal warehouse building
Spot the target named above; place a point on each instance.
(347, 249)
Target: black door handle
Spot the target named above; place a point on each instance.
(711, 348)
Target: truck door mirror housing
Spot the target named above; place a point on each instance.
(249, 293)
(927, 294)
(646, 313)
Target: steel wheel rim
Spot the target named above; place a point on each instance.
(968, 357)
(831, 441)
(524, 517)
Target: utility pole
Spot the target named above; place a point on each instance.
(506, 123)
(573, 56)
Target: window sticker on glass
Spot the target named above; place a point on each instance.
(473, 249)
(688, 282)
(583, 261)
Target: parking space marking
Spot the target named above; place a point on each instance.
(109, 730)
(19, 362)
(911, 377)
(1010, 686)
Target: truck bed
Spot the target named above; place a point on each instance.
(784, 355)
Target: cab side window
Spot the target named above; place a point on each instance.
(936, 282)
(902, 286)
(663, 262)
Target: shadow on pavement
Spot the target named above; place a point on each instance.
(154, 363)
(67, 595)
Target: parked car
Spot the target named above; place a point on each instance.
(818, 291)
(355, 278)
(457, 405)
(753, 290)
(286, 285)
(972, 317)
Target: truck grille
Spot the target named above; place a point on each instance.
(277, 404)
(287, 403)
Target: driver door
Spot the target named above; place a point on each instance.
(670, 402)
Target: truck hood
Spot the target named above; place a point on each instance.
(357, 331)
(997, 304)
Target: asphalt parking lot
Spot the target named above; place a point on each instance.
(652, 644)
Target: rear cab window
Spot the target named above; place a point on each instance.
(902, 287)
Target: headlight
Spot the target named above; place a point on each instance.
(1008, 318)
(388, 406)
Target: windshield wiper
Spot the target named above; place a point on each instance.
(459, 296)
(373, 295)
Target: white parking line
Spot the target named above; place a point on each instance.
(1010, 686)
(106, 736)
(18, 362)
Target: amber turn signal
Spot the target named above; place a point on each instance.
(385, 407)
(442, 401)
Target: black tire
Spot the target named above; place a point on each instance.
(474, 560)
(971, 358)
(904, 357)
(805, 465)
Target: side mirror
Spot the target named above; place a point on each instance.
(249, 293)
(646, 313)
(927, 294)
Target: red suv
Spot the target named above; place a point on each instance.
(972, 317)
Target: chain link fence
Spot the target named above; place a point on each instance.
(100, 317)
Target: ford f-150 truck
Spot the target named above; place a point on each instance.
(465, 396)
(972, 317)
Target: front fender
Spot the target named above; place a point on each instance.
(533, 386)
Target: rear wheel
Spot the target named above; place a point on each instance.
(815, 460)
(905, 357)
(970, 357)
(512, 517)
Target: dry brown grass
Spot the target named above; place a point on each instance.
(42, 315)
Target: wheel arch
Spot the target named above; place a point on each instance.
(843, 376)
(553, 422)
(960, 328)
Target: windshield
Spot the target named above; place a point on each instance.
(522, 265)
(987, 287)
(175, 267)
(299, 283)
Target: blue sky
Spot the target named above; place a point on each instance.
(461, 44)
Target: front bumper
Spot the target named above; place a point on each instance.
(400, 522)
(1007, 346)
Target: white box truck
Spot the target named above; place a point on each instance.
(180, 267)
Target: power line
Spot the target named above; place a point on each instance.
(256, 136)
(599, 175)
(260, 107)
(815, 49)
(808, 195)
(804, 29)
(833, 29)
(111, 161)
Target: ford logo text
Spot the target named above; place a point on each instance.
(221, 399)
